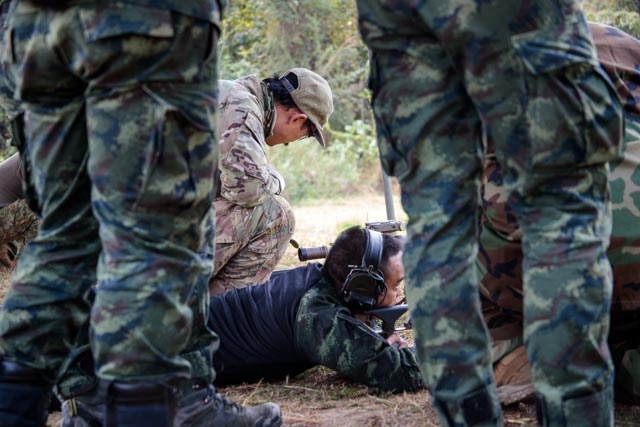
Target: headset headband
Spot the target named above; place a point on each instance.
(373, 249)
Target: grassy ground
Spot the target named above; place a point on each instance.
(319, 397)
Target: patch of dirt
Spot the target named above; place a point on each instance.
(319, 397)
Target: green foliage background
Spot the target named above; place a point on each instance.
(267, 36)
(264, 37)
(624, 14)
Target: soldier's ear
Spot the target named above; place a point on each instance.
(296, 116)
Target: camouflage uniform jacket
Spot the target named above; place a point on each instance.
(295, 321)
(247, 116)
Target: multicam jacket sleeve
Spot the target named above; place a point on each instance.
(245, 175)
(329, 335)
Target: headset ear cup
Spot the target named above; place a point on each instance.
(363, 288)
(365, 283)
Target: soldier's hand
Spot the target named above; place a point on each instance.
(279, 178)
(397, 341)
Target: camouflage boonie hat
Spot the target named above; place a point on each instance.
(312, 95)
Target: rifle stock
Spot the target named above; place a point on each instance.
(383, 320)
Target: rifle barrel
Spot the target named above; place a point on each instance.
(305, 254)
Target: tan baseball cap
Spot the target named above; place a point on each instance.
(312, 95)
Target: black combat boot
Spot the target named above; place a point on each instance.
(140, 404)
(479, 408)
(202, 406)
(24, 396)
(199, 405)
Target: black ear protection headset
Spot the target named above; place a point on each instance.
(365, 283)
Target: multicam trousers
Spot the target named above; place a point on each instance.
(249, 242)
(446, 77)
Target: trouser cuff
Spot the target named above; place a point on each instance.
(591, 409)
(477, 408)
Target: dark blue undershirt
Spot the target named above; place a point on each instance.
(256, 327)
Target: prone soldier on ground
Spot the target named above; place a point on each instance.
(309, 314)
(305, 316)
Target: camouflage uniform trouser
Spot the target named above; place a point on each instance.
(500, 264)
(7, 103)
(250, 242)
(446, 76)
(624, 253)
(119, 158)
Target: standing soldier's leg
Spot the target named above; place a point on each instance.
(429, 137)
(152, 194)
(624, 250)
(554, 121)
(24, 384)
(150, 159)
(47, 307)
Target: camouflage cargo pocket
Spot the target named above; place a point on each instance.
(573, 114)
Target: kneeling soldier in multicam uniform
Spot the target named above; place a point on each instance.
(254, 223)
(501, 257)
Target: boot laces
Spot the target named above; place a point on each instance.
(229, 405)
